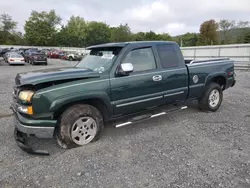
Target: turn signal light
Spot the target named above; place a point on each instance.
(30, 110)
(25, 109)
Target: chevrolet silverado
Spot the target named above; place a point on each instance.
(118, 83)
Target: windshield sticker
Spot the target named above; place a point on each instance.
(108, 56)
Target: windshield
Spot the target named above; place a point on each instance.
(16, 56)
(99, 59)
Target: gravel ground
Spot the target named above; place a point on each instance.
(183, 149)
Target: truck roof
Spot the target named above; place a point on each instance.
(122, 44)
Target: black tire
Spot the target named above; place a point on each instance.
(70, 116)
(46, 63)
(71, 58)
(204, 102)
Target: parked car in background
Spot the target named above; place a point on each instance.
(15, 59)
(50, 52)
(22, 51)
(3, 51)
(28, 53)
(37, 57)
(14, 50)
(7, 54)
(74, 56)
(56, 54)
(45, 51)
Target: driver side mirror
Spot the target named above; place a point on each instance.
(125, 69)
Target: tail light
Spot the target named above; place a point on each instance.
(22, 59)
(11, 59)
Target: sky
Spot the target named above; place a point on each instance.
(171, 16)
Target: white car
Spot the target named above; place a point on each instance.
(73, 56)
(15, 58)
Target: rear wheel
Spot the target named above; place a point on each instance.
(79, 125)
(212, 98)
(71, 58)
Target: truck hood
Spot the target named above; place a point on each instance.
(55, 74)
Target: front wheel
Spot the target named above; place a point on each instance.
(79, 125)
(212, 98)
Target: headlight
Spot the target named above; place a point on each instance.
(26, 95)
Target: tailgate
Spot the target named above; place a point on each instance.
(39, 56)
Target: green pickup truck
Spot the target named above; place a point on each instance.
(116, 83)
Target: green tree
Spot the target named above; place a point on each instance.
(225, 26)
(151, 36)
(97, 33)
(7, 27)
(41, 28)
(61, 38)
(247, 38)
(208, 33)
(76, 32)
(140, 36)
(7, 24)
(17, 38)
(122, 33)
(244, 29)
(165, 37)
(189, 39)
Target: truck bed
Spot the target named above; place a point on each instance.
(200, 71)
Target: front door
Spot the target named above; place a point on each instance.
(142, 88)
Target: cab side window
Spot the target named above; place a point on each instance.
(142, 59)
(168, 55)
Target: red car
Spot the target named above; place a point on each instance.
(65, 57)
(56, 54)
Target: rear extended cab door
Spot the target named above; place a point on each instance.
(173, 71)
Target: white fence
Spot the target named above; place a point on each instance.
(240, 53)
(237, 52)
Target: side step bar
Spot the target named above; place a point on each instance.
(145, 117)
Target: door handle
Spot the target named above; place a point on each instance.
(157, 78)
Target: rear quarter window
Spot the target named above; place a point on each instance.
(168, 55)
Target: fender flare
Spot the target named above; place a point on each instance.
(213, 75)
(78, 97)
